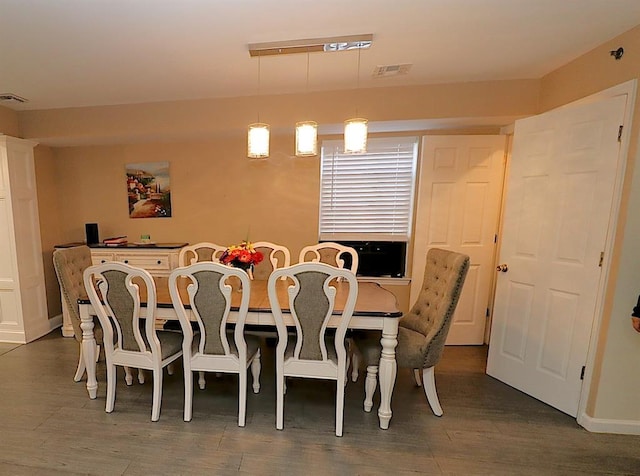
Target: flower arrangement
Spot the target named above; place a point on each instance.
(243, 256)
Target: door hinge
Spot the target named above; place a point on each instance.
(620, 133)
(582, 372)
(601, 259)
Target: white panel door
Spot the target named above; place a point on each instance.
(557, 210)
(460, 187)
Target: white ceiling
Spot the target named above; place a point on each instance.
(69, 53)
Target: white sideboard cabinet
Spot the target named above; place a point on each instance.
(23, 301)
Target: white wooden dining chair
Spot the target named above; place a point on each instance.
(203, 251)
(310, 352)
(214, 348)
(275, 256)
(332, 253)
(130, 334)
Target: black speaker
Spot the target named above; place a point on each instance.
(92, 233)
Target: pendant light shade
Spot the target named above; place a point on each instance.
(307, 131)
(258, 134)
(258, 141)
(355, 130)
(355, 136)
(306, 139)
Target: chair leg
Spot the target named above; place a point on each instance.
(370, 385)
(157, 394)
(256, 367)
(81, 367)
(429, 382)
(417, 377)
(339, 404)
(355, 364)
(170, 369)
(280, 404)
(280, 389)
(140, 376)
(128, 376)
(202, 383)
(242, 397)
(111, 387)
(353, 359)
(188, 391)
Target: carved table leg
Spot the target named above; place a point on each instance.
(89, 350)
(387, 369)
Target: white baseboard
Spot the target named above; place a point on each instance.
(604, 425)
(15, 335)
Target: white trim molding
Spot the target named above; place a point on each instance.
(606, 425)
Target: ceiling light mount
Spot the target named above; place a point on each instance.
(311, 45)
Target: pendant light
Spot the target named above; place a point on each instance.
(258, 134)
(355, 130)
(307, 131)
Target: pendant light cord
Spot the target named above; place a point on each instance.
(258, 97)
(307, 85)
(358, 82)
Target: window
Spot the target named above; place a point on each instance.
(368, 198)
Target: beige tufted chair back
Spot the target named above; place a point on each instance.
(432, 313)
(70, 264)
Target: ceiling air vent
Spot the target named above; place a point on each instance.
(10, 97)
(391, 70)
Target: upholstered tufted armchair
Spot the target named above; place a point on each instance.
(423, 331)
(70, 264)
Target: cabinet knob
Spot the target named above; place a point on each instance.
(126, 261)
(103, 261)
(159, 262)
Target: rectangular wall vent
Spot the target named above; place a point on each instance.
(391, 70)
(11, 97)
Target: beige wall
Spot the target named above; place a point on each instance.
(614, 393)
(217, 193)
(9, 125)
(229, 117)
(50, 224)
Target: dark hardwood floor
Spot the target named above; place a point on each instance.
(48, 425)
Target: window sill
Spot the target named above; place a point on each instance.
(387, 281)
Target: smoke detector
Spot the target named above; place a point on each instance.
(391, 70)
(10, 97)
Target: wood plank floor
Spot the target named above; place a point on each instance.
(48, 425)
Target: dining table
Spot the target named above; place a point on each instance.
(376, 309)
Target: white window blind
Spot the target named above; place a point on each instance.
(368, 196)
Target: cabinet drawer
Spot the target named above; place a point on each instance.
(99, 258)
(146, 261)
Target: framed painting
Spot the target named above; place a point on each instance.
(149, 190)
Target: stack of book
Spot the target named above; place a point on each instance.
(115, 241)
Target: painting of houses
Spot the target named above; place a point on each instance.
(149, 190)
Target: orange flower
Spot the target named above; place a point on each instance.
(241, 255)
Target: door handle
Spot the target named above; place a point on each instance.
(502, 267)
